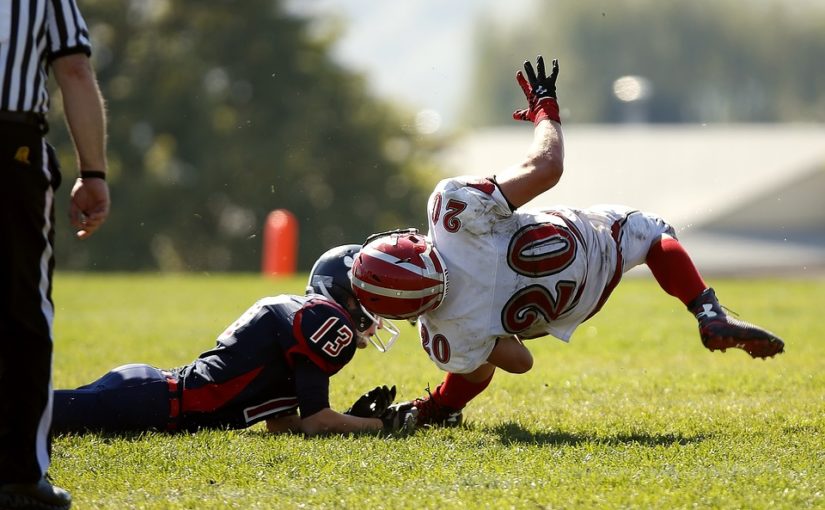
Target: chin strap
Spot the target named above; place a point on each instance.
(399, 231)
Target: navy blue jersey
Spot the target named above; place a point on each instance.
(276, 358)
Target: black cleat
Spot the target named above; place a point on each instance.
(720, 332)
(34, 496)
(433, 414)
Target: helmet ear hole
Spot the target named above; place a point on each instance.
(399, 275)
(330, 277)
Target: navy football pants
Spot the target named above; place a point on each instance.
(131, 397)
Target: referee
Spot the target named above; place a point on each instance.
(35, 36)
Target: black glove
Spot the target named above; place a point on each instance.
(540, 91)
(373, 403)
(400, 417)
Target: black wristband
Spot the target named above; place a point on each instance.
(92, 174)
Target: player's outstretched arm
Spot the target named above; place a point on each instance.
(284, 424)
(544, 164)
(327, 421)
(371, 412)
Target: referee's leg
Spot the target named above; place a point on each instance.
(26, 263)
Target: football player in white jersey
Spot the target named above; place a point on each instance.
(488, 275)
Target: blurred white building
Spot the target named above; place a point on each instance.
(745, 199)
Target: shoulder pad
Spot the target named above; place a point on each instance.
(325, 334)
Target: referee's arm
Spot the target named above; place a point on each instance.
(83, 108)
(85, 116)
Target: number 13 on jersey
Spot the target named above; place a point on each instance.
(334, 339)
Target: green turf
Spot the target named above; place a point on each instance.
(633, 413)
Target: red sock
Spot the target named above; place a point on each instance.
(456, 391)
(674, 270)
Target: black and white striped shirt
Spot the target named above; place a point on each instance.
(32, 34)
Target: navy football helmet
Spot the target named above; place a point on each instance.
(331, 277)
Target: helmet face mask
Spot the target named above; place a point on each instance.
(374, 334)
(399, 275)
(330, 277)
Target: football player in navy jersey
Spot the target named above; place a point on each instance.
(271, 363)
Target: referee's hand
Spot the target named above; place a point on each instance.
(89, 205)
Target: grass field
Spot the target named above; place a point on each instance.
(633, 413)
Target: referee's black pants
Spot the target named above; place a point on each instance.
(28, 176)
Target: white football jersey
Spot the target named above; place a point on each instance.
(524, 273)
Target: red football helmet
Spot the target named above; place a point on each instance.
(399, 275)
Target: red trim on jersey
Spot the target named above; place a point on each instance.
(615, 232)
(327, 302)
(302, 346)
(483, 185)
(214, 396)
(174, 400)
(302, 349)
(272, 407)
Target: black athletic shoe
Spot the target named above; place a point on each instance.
(34, 496)
(718, 331)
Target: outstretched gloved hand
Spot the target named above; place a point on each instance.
(540, 91)
(373, 403)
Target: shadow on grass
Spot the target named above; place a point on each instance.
(107, 437)
(509, 433)
(513, 433)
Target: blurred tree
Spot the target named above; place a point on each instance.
(698, 61)
(222, 111)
